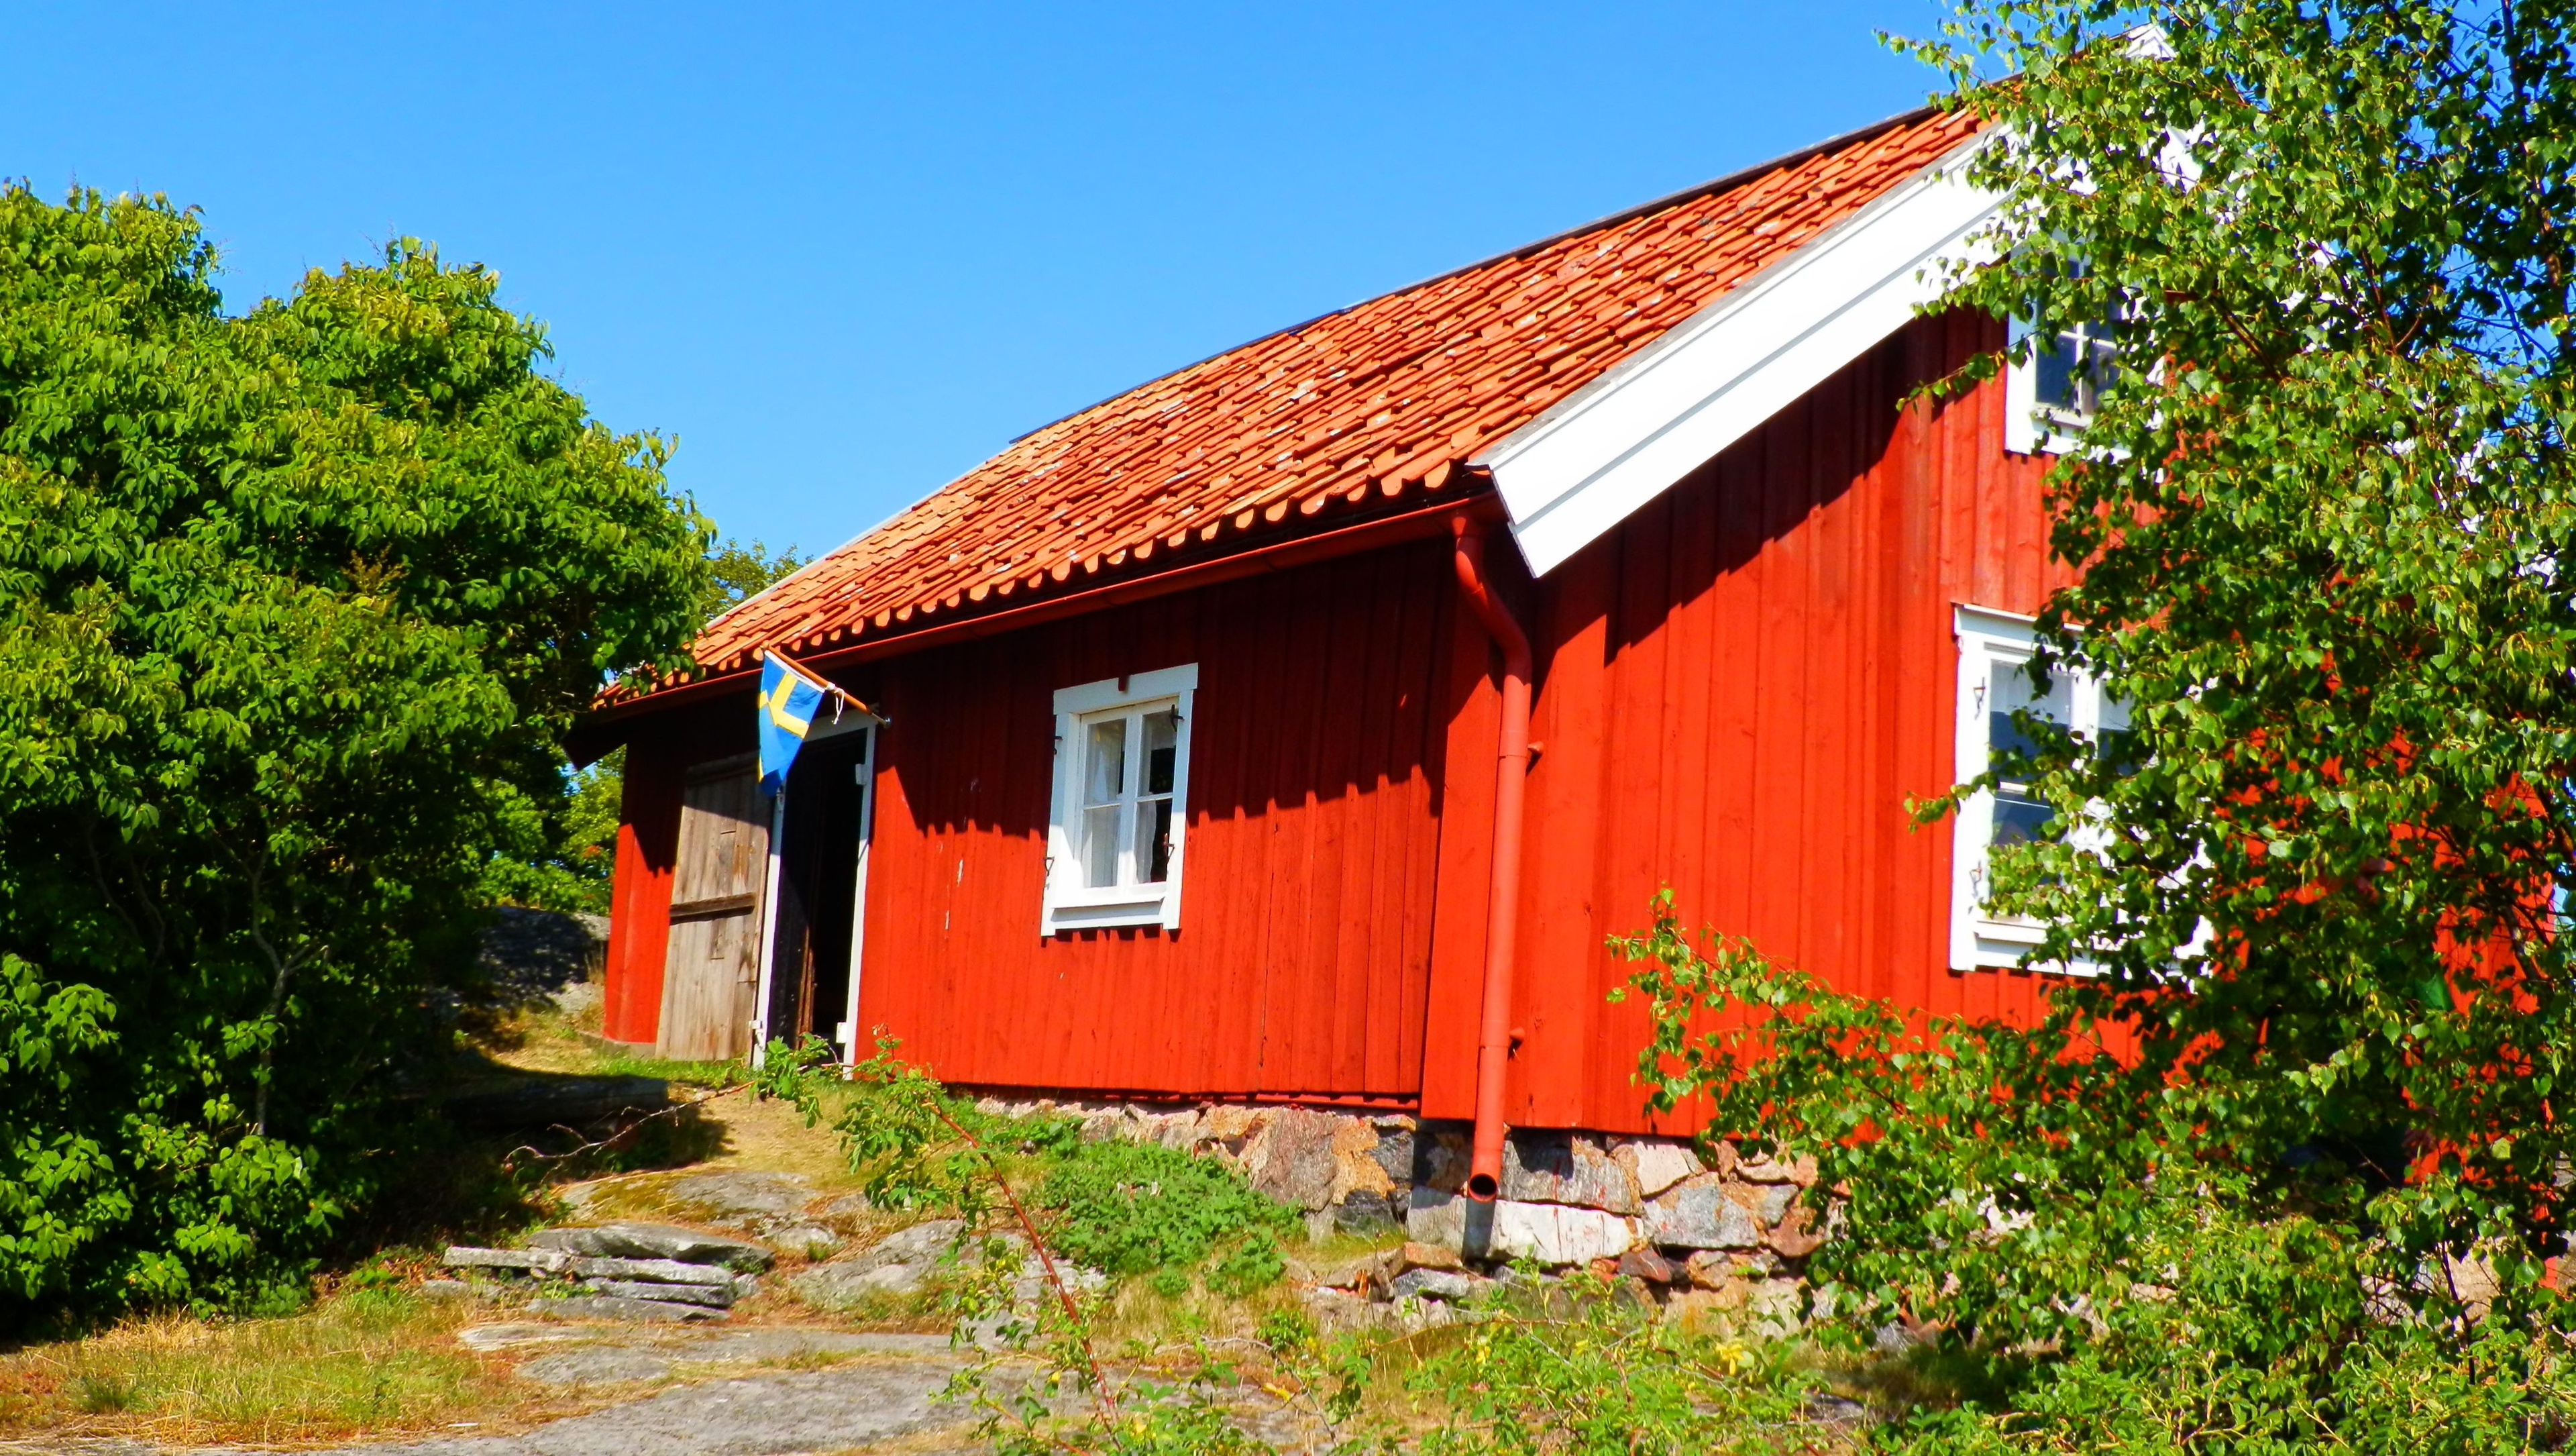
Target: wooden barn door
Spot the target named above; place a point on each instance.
(710, 983)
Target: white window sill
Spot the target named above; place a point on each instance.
(2001, 944)
(1105, 909)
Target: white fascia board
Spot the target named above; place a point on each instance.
(1572, 474)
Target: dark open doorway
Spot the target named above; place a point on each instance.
(821, 863)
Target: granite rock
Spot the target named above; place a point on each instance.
(611, 1307)
(597, 1365)
(899, 1263)
(712, 1296)
(845, 1282)
(920, 1243)
(1699, 1215)
(484, 1338)
(804, 1240)
(1645, 1263)
(1450, 1221)
(1394, 1151)
(1557, 1167)
(1367, 1215)
(1556, 1235)
(1357, 1172)
(1437, 1284)
(1797, 1235)
(1657, 1166)
(655, 1241)
(738, 1198)
(1441, 1155)
(1293, 1160)
(1767, 1202)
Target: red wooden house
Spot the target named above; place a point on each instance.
(1192, 716)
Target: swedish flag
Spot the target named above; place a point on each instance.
(788, 699)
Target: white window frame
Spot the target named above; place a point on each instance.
(2030, 427)
(1070, 904)
(1993, 642)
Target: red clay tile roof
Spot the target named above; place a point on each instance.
(1356, 412)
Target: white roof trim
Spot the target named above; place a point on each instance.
(1578, 470)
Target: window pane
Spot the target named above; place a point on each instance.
(2019, 820)
(2053, 372)
(2100, 368)
(1105, 763)
(1100, 846)
(1162, 750)
(1154, 839)
(2008, 744)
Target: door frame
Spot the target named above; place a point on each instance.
(866, 771)
(850, 721)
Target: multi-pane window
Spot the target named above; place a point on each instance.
(1121, 800)
(2052, 396)
(1129, 759)
(2071, 367)
(2003, 715)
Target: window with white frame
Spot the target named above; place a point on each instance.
(2050, 397)
(1122, 770)
(1995, 652)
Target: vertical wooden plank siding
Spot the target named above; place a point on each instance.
(1302, 965)
(1740, 689)
(659, 753)
(639, 906)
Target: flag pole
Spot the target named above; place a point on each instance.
(768, 935)
(765, 983)
(826, 684)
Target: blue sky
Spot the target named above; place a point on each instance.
(841, 253)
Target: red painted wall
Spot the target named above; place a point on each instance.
(1302, 961)
(658, 755)
(1741, 687)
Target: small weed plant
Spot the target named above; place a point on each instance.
(1139, 1208)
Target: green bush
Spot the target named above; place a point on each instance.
(2261, 1337)
(295, 606)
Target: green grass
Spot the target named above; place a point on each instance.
(378, 1361)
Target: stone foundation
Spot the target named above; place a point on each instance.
(1727, 1237)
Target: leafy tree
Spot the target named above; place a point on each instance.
(741, 572)
(2324, 516)
(294, 607)
(576, 832)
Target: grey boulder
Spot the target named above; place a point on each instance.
(1437, 1284)
(1700, 1217)
(604, 1306)
(656, 1241)
(895, 1264)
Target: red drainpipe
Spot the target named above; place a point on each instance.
(1511, 774)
